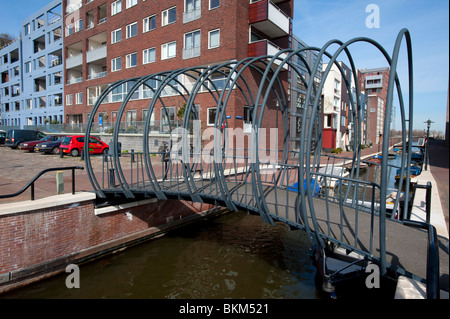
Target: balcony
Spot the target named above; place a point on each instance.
(269, 19)
(96, 54)
(265, 47)
(74, 61)
(374, 81)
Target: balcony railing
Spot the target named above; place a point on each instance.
(191, 52)
(97, 75)
(75, 80)
(96, 54)
(192, 15)
(74, 61)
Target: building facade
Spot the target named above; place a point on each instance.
(374, 84)
(298, 88)
(337, 122)
(110, 40)
(31, 68)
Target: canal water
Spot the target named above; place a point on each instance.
(235, 255)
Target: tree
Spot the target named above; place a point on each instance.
(5, 39)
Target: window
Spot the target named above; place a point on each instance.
(69, 99)
(27, 67)
(211, 116)
(116, 36)
(192, 5)
(214, 4)
(131, 60)
(131, 3)
(168, 50)
(78, 25)
(69, 30)
(149, 23)
(169, 16)
(116, 7)
(191, 44)
(328, 120)
(27, 29)
(192, 10)
(167, 118)
(214, 39)
(116, 64)
(131, 30)
(149, 55)
(79, 98)
(248, 114)
(130, 117)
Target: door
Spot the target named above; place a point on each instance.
(94, 146)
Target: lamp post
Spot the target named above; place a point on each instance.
(426, 142)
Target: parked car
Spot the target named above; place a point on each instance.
(30, 145)
(15, 137)
(73, 145)
(2, 137)
(50, 147)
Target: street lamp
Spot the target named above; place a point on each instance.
(428, 127)
(426, 143)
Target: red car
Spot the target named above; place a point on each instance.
(30, 145)
(74, 145)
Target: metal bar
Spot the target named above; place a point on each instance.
(31, 183)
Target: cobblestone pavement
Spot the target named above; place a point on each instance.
(18, 167)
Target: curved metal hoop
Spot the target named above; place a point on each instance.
(243, 178)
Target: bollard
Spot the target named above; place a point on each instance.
(132, 156)
(59, 182)
(112, 179)
(61, 154)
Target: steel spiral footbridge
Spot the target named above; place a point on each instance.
(323, 194)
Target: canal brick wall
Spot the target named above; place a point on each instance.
(40, 238)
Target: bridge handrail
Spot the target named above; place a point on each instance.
(31, 183)
(432, 258)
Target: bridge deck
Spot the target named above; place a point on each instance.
(406, 246)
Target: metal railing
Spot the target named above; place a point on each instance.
(31, 183)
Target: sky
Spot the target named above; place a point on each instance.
(318, 21)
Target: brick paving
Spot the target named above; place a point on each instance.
(18, 167)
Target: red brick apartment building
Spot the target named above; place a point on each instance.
(110, 40)
(374, 84)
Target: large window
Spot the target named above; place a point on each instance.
(149, 55)
(149, 23)
(191, 44)
(169, 16)
(116, 36)
(169, 50)
(192, 10)
(131, 60)
(132, 30)
(116, 7)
